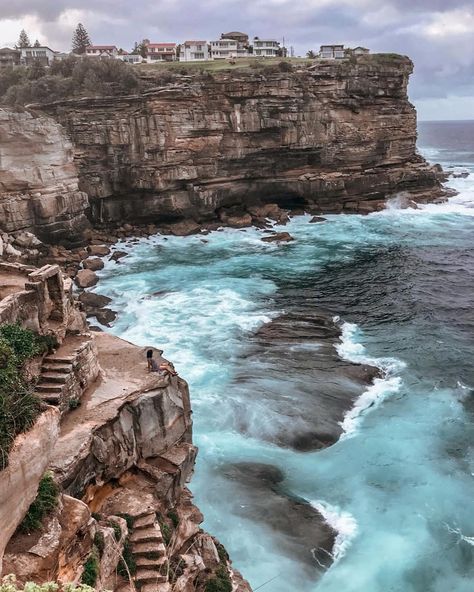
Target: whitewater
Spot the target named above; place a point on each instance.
(398, 486)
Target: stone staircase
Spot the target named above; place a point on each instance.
(55, 373)
(149, 553)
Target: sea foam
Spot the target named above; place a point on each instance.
(351, 350)
(342, 522)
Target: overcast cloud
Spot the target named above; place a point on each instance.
(437, 34)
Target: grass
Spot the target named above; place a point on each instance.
(217, 65)
(221, 582)
(127, 562)
(45, 502)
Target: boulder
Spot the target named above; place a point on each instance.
(316, 219)
(116, 255)
(92, 300)
(26, 239)
(93, 263)
(104, 316)
(185, 228)
(242, 221)
(98, 250)
(86, 278)
(278, 237)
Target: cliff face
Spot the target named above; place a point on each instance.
(337, 135)
(38, 178)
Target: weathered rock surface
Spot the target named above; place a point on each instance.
(86, 278)
(19, 482)
(38, 180)
(93, 263)
(337, 135)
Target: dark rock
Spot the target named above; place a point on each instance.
(185, 228)
(92, 300)
(116, 255)
(280, 237)
(99, 250)
(316, 219)
(93, 263)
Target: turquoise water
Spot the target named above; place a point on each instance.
(399, 485)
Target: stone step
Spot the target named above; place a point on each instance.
(52, 398)
(143, 535)
(144, 521)
(149, 575)
(162, 587)
(146, 562)
(54, 377)
(152, 547)
(54, 359)
(49, 387)
(62, 368)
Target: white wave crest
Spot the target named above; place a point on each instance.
(349, 349)
(342, 522)
(461, 537)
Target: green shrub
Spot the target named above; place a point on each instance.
(74, 403)
(173, 516)
(222, 552)
(91, 570)
(24, 343)
(96, 516)
(221, 582)
(19, 406)
(128, 519)
(45, 502)
(127, 561)
(116, 528)
(9, 584)
(99, 542)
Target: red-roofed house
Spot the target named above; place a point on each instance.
(161, 52)
(194, 51)
(102, 51)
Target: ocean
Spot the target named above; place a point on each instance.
(398, 485)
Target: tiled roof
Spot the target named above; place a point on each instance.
(161, 45)
(195, 42)
(102, 47)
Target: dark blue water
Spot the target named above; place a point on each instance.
(399, 484)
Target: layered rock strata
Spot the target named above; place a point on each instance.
(337, 136)
(38, 179)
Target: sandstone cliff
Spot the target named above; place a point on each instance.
(38, 179)
(336, 135)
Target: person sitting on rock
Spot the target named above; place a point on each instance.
(151, 363)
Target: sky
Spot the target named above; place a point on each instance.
(438, 35)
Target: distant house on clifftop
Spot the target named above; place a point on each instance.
(101, 51)
(332, 52)
(34, 55)
(360, 51)
(161, 52)
(194, 51)
(9, 57)
(269, 48)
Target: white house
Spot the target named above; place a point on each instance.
(161, 52)
(269, 48)
(44, 55)
(228, 48)
(194, 51)
(130, 58)
(101, 51)
(331, 52)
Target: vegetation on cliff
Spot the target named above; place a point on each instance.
(9, 584)
(68, 78)
(45, 502)
(19, 406)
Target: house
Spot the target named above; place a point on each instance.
(241, 38)
(130, 58)
(331, 52)
(9, 57)
(269, 48)
(32, 55)
(357, 51)
(161, 52)
(228, 49)
(194, 51)
(101, 51)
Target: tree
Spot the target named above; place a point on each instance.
(37, 44)
(80, 39)
(311, 55)
(23, 40)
